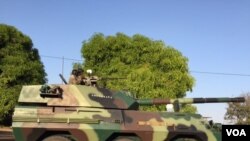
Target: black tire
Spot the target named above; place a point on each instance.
(56, 138)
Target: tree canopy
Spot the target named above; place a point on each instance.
(20, 64)
(239, 113)
(151, 69)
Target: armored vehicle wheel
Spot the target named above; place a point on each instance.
(57, 138)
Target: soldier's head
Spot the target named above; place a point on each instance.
(74, 72)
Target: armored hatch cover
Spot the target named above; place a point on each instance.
(78, 96)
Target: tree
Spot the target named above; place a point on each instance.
(20, 64)
(239, 113)
(152, 69)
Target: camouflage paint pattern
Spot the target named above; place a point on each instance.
(87, 113)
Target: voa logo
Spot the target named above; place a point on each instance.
(236, 132)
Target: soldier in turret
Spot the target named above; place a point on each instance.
(76, 77)
(72, 78)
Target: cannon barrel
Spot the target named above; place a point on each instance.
(159, 101)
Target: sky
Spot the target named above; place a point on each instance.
(214, 35)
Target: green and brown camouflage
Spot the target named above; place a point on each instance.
(85, 113)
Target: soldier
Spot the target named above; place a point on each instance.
(80, 76)
(72, 78)
(76, 76)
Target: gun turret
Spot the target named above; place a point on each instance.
(103, 98)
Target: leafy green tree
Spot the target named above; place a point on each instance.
(152, 69)
(239, 113)
(20, 64)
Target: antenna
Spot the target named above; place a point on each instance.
(63, 67)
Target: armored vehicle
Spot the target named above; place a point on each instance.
(86, 113)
